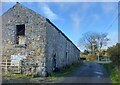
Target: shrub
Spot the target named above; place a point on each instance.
(90, 57)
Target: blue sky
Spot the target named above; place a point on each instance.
(77, 18)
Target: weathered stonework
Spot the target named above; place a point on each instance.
(46, 47)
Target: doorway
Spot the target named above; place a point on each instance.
(54, 62)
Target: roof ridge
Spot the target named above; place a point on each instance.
(19, 4)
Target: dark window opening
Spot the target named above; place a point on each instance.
(20, 34)
(66, 54)
(21, 30)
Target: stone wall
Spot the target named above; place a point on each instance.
(35, 35)
(46, 47)
(61, 47)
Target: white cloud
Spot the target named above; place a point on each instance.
(76, 22)
(48, 12)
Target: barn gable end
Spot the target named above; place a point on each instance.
(34, 41)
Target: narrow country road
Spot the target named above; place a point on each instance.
(89, 72)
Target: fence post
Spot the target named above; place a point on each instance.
(18, 67)
(6, 67)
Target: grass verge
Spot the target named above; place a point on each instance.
(15, 76)
(51, 78)
(64, 71)
(113, 72)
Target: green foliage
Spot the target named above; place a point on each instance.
(90, 57)
(16, 76)
(113, 72)
(114, 53)
(115, 76)
(108, 67)
(82, 55)
(102, 52)
(86, 52)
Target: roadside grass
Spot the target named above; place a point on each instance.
(18, 76)
(109, 68)
(65, 71)
(113, 72)
(51, 77)
(115, 76)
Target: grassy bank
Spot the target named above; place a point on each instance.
(16, 76)
(65, 71)
(51, 78)
(113, 72)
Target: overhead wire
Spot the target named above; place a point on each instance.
(113, 21)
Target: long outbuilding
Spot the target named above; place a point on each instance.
(35, 41)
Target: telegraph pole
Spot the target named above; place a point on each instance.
(98, 56)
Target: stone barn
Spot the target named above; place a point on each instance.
(33, 40)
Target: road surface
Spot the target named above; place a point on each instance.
(89, 72)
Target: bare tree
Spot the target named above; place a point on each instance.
(94, 41)
(101, 39)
